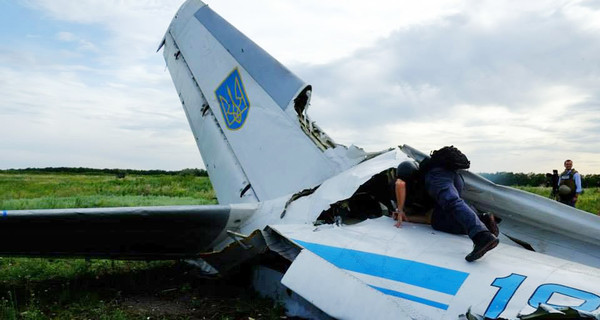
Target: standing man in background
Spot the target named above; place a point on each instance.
(569, 185)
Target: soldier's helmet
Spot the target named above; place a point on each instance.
(407, 170)
(564, 190)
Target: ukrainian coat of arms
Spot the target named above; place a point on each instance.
(233, 100)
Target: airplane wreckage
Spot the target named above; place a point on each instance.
(285, 191)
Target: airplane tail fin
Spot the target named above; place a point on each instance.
(247, 111)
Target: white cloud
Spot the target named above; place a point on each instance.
(585, 14)
(512, 83)
(320, 31)
(104, 101)
(65, 36)
(134, 28)
(83, 44)
(71, 123)
(517, 89)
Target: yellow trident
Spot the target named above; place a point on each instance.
(233, 112)
(233, 100)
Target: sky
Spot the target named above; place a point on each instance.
(513, 84)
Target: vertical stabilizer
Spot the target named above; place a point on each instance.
(246, 110)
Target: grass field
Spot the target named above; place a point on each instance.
(35, 288)
(589, 201)
(46, 191)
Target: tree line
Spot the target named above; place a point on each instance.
(535, 179)
(503, 178)
(117, 172)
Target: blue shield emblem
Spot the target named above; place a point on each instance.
(233, 100)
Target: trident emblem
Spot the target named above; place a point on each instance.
(233, 100)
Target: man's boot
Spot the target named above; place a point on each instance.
(490, 222)
(482, 243)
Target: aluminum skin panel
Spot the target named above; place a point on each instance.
(425, 271)
(549, 226)
(275, 154)
(225, 172)
(281, 84)
(335, 291)
(531, 208)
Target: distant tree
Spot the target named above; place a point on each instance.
(116, 172)
(517, 179)
(193, 172)
(590, 180)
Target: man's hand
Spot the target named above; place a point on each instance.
(399, 216)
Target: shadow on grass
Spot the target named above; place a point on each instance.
(164, 290)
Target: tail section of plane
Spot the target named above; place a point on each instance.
(247, 111)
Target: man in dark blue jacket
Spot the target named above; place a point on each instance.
(451, 213)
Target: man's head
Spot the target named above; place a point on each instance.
(407, 170)
(568, 164)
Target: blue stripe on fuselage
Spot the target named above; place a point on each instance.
(410, 297)
(407, 271)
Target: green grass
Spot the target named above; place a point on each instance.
(46, 191)
(589, 201)
(36, 288)
(99, 201)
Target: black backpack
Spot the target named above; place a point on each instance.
(449, 158)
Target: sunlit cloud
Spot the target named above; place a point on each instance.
(512, 83)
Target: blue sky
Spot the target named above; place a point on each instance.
(511, 83)
(26, 29)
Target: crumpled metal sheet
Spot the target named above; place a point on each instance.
(339, 187)
(545, 311)
(242, 249)
(239, 251)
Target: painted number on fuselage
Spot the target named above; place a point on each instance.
(544, 292)
(507, 287)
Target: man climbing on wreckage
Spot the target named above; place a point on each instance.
(436, 183)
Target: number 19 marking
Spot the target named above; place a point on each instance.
(507, 286)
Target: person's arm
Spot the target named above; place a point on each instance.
(399, 214)
(577, 178)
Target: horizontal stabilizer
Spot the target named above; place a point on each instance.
(150, 233)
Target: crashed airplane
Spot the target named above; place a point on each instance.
(311, 214)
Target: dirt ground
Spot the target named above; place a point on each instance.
(180, 293)
(202, 299)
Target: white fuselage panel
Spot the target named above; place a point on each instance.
(426, 269)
